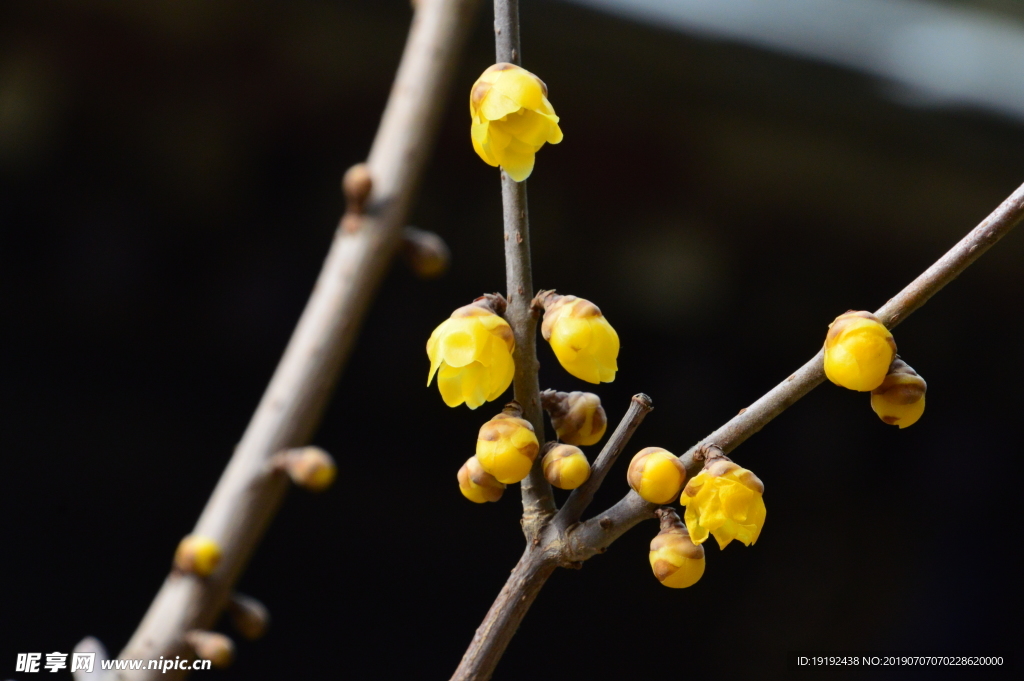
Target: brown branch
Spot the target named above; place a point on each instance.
(502, 620)
(538, 501)
(249, 493)
(578, 501)
(596, 534)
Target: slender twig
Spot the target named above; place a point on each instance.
(248, 493)
(538, 502)
(596, 534)
(581, 497)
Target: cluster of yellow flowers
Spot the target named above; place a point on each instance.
(860, 354)
(472, 354)
(723, 500)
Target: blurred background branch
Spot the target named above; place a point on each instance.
(379, 196)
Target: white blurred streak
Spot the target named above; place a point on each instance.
(944, 55)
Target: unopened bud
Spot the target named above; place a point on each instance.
(425, 252)
(858, 351)
(212, 646)
(578, 417)
(676, 561)
(566, 467)
(899, 401)
(250, 617)
(507, 446)
(357, 184)
(478, 485)
(197, 555)
(656, 475)
(584, 342)
(310, 468)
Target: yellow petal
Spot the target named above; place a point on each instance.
(520, 86)
(481, 142)
(496, 105)
(529, 127)
(464, 343)
(449, 382)
(517, 166)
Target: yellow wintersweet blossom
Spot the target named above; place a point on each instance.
(506, 446)
(899, 401)
(725, 501)
(858, 351)
(584, 342)
(512, 118)
(471, 353)
(675, 560)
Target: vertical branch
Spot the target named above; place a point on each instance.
(248, 493)
(538, 502)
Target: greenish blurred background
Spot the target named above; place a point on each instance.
(728, 184)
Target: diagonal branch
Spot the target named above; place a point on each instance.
(596, 534)
(248, 493)
(538, 502)
(639, 407)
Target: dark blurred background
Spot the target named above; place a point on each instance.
(169, 186)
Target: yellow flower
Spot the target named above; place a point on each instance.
(472, 354)
(676, 561)
(899, 401)
(726, 501)
(578, 417)
(512, 118)
(584, 342)
(858, 351)
(566, 467)
(506, 446)
(478, 485)
(656, 475)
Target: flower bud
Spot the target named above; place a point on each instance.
(899, 401)
(249, 616)
(507, 446)
(197, 555)
(471, 353)
(512, 119)
(578, 418)
(584, 342)
(726, 501)
(656, 475)
(425, 252)
(677, 562)
(566, 467)
(478, 485)
(858, 351)
(309, 467)
(209, 645)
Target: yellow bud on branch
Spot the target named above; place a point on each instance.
(566, 467)
(478, 485)
(858, 351)
(676, 561)
(584, 342)
(507, 446)
(899, 401)
(197, 555)
(578, 417)
(656, 475)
